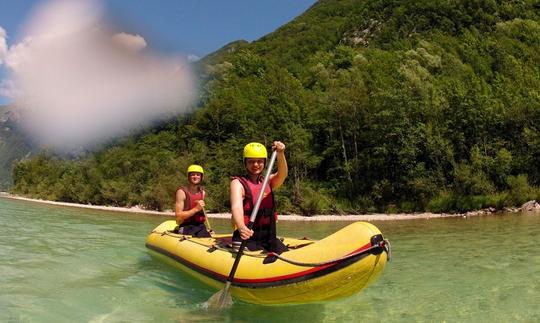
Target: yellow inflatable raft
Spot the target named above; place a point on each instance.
(336, 266)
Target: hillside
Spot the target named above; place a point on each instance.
(13, 144)
(384, 105)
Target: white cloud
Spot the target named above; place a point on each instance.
(9, 89)
(84, 84)
(3, 45)
(193, 58)
(18, 54)
(133, 42)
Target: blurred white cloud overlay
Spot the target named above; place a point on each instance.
(83, 84)
(3, 45)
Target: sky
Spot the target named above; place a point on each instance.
(191, 28)
(85, 71)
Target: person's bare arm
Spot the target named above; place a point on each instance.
(179, 212)
(237, 209)
(278, 178)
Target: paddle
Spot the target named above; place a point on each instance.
(206, 221)
(223, 299)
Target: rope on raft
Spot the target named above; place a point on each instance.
(384, 245)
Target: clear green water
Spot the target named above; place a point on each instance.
(73, 265)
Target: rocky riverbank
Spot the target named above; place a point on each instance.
(531, 206)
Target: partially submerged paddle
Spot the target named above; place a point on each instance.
(223, 299)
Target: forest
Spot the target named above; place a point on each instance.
(384, 106)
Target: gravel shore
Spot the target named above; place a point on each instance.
(329, 217)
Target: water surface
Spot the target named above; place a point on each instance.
(63, 264)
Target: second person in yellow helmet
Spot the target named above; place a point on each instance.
(189, 205)
(244, 191)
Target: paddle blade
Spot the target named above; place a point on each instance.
(220, 300)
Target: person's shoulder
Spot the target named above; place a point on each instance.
(236, 183)
(237, 179)
(180, 192)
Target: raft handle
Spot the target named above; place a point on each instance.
(377, 248)
(386, 245)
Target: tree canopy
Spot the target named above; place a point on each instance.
(384, 106)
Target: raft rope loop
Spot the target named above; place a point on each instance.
(384, 245)
(388, 248)
(182, 237)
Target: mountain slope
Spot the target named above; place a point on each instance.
(384, 105)
(13, 144)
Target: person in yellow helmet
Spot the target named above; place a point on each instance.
(189, 206)
(244, 192)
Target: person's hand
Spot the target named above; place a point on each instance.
(278, 146)
(200, 205)
(245, 232)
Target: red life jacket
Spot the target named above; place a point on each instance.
(267, 207)
(191, 202)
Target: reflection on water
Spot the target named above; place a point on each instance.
(62, 264)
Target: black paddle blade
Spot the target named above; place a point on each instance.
(220, 300)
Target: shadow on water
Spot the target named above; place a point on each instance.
(190, 297)
(244, 312)
(162, 272)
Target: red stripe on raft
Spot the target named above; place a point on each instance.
(298, 274)
(221, 277)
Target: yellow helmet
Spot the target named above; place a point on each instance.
(195, 169)
(255, 150)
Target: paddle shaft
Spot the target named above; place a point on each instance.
(252, 217)
(206, 221)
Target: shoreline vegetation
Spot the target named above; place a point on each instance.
(531, 206)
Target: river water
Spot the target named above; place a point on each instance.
(61, 264)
